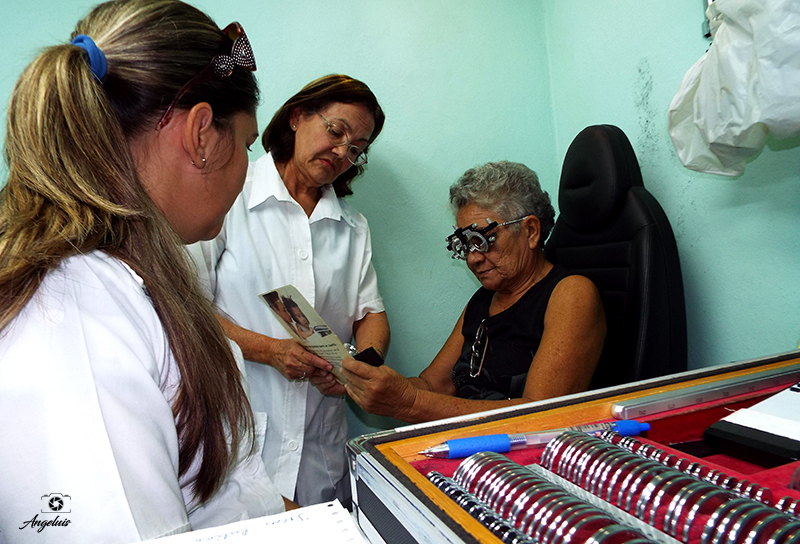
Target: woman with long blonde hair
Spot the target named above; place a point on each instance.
(122, 406)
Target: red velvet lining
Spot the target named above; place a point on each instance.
(672, 429)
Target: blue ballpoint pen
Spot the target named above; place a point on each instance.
(501, 443)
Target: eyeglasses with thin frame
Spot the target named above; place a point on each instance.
(220, 67)
(468, 239)
(479, 347)
(338, 137)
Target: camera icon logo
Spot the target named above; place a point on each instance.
(56, 503)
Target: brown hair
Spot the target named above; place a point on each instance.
(273, 299)
(278, 138)
(72, 188)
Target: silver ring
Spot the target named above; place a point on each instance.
(746, 521)
(706, 505)
(506, 486)
(505, 503)
(734, 515)
(719, 519)
(678, 503)
(673, 485)
(602, 469)
(304, 375)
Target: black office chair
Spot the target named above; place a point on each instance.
(612, 230)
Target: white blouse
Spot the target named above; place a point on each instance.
(267, 242)
(86, 382)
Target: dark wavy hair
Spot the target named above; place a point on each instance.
(278, 138)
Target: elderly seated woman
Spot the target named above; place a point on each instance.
(532, 331)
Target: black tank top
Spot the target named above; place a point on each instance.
(513, 338)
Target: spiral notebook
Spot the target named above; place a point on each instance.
(326, 522)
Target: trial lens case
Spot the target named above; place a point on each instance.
(395, 503)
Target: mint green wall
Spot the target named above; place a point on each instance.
(621, 62)
(468, 81)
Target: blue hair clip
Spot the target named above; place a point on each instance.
(97, 60)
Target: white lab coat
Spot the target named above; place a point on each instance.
(86, 379)
(267, 242)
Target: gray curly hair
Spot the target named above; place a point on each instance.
(509, 189)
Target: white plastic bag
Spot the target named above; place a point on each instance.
(746, 86)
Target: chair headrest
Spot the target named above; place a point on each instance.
(599, 169)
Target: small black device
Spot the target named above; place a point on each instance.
(369, 356)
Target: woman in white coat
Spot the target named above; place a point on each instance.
(122, 406)
(291, 225)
